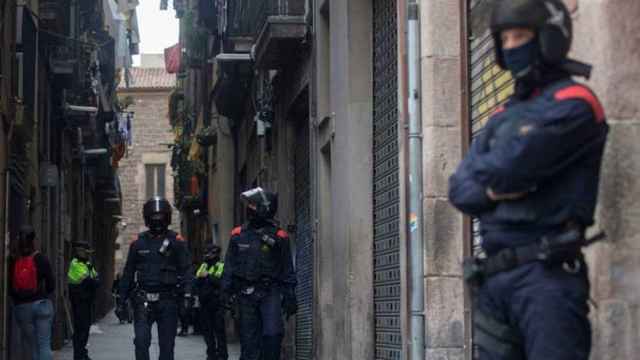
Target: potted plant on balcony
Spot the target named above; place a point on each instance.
(206, 136)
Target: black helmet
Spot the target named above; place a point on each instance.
(261, 204)
(549, 19)
(157, 214)
(26, 239)
(82, 249)
(27, 232)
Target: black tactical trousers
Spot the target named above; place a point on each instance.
(214, 331)
(82, 315)
(163, 312)
(261, 325)
(546, 307)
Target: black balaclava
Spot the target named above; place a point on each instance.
(212, 256)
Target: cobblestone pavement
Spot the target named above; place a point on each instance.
(111, 341)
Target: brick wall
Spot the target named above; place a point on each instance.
(151, 131)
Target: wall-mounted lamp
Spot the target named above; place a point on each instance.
(97, 151)
(228, 57)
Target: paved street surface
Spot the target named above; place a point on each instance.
(111, 341)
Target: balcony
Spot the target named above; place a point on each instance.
(276, 27)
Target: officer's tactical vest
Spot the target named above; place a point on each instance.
(79, 271)
(155, 271)
(256, 259)
(213, 271)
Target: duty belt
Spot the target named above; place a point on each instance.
(249, 287)
(154, 296)
(563, 249)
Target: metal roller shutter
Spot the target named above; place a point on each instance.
(490, 85)
(386, 247)
(304, 246)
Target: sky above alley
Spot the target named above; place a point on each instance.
(158, 28)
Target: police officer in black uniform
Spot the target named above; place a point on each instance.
(83, 283)
(157, 265)
(531, 178)
(258, 272)
(209, 291)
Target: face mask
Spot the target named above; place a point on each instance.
(519, 60)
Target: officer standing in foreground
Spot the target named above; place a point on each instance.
(531, 178)
(83, 283)
(209, 292)
(259, 272)
(156, 261)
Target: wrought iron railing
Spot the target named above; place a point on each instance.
(247, 17)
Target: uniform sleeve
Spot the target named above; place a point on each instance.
(229, 265)
(539, 149)
(126, 281)
(96, 279)
(184, 267)
(288, 275)
(10, 271)
(465, 193)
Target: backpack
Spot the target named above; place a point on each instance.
(25, 276)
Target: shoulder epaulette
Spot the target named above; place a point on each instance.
(282, 234)
(581, 92)
(498, 110)
(236, 231)
(179, 237)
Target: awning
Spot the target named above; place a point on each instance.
(172, 57)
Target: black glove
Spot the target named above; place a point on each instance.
(121, 309)
(289, 305)
(188, 302)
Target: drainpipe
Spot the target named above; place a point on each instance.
(5, 262)
(415, 221)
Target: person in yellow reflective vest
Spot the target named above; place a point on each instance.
(83, 281)
(208, 287)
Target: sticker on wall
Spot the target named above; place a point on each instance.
(413, 222)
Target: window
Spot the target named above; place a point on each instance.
(155, 180)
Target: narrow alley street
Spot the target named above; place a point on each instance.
(110, 340)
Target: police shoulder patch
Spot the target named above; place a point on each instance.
(282, 234)
(236, 231)
(179, 237)
(581, 92)
(498, 110)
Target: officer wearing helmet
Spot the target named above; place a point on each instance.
(208, 287)
(259, 274)
(83, 283)
(156, 276)
(531, 178)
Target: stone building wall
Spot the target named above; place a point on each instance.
(607, 35)
(151, 133)
(442, 150)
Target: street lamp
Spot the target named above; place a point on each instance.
(229, 57)
(97, 151)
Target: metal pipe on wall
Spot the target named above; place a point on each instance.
(5, 252)
(415, 221)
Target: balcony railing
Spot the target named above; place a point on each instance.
(246, 18)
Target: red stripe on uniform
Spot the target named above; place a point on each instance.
(582, 93)
(236, 231)
(283, 234)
